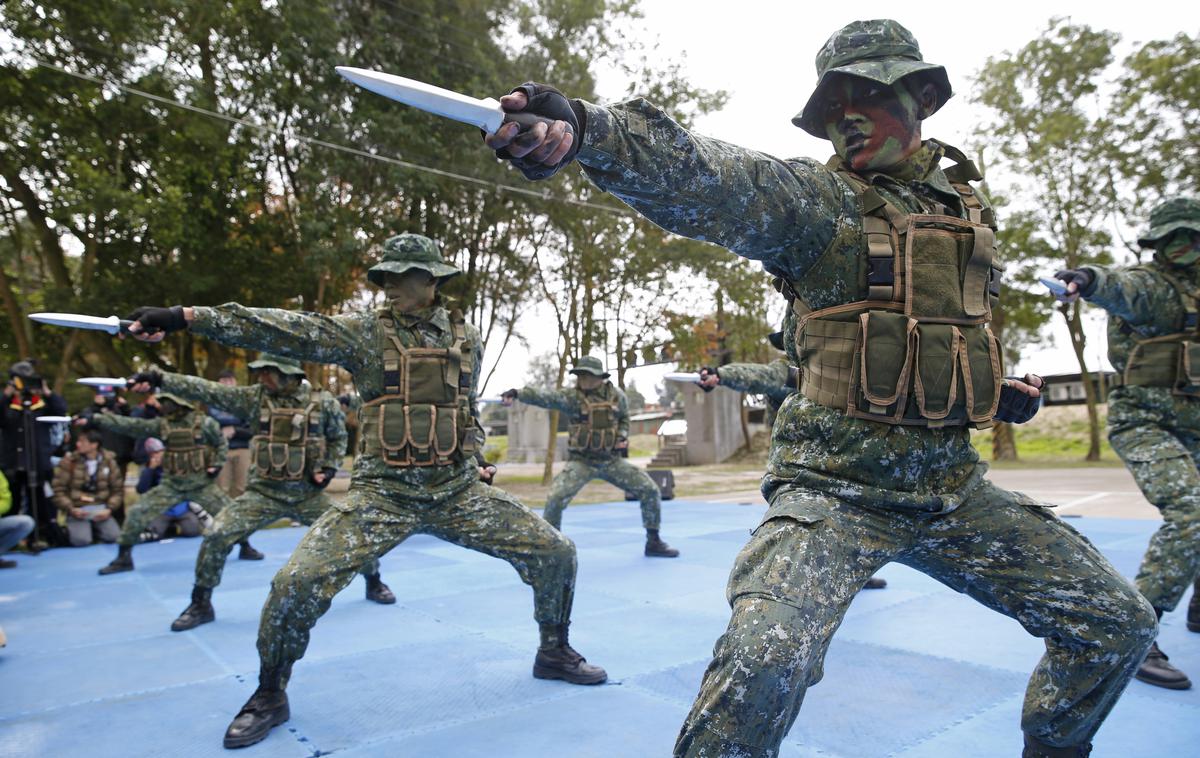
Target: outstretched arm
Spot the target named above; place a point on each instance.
(1135, 295)
(238, 401)
(127, 426)
(557, 400)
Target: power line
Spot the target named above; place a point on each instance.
(315, 141)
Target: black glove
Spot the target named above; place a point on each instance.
(510, 394)
(214, 472)
(1015, 406)
(160, 319)
(151, 377)
(329, 473)
(710, 371)
(549, 103)
(1084, 279)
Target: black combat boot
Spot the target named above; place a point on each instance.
(123, 561)
(1157, 671)
(199, 612)
(556, 659)
(378, 592)
(875, 583)
(248, 553)
(1035, 748)
(1193, 617)
(267, 708)
(656, 548)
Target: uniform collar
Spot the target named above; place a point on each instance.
(921, 168)
(435, 316)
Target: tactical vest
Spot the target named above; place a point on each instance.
(289, 443)
(1170, 360)
(423, 417)
(186, 451)
(594, 428)
(918, 350)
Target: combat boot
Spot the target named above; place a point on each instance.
(199, 612)
(656, 548)
(123, 561)
(875, 583)
(1193, 616)
(556, 659)
(378, 592)
(266, 709)
(1035, 748)
(1157, 671)
(248, 553)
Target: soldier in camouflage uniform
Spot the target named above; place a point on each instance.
(776, 381)
(195, 451)
(416, 366)
(886, 260)
(1154, 411)
(599, 431)
(298, 445)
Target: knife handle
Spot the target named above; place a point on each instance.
(126, 323)
(528, 120)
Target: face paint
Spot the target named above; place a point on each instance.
(410, 291)
(1182, 248)
(587, 381)
(872, 126)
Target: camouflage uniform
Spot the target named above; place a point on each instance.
(774, 380)
(585, 465)
(848, 495)
(196, 488)
(265, 500)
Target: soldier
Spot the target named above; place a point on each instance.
(297, 445)
(777, 381)
(597, 434)
(416, 365)
(886, 260)
(194, 454)
(1154, 409)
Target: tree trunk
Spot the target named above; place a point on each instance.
(1004, 443)
(1078, 343)
(20, 325)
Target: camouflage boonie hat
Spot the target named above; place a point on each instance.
(1169, 217)
(177, 400)
(590, 365)
(880, 50)
(408, 251)
(284, 365)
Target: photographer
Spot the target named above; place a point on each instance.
(88, 488)
(26, 448)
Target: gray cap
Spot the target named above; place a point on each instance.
(589, 365)
(408, 251)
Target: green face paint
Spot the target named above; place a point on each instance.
(1182, 248)
(410, 291)
(872, 126)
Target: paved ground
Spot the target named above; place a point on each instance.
(915, 670)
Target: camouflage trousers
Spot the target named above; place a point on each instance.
(368, 523)
(1164, 465)
(251, 511)
(617, 472)
(210, 497)
(794, 579)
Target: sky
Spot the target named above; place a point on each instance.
(762, 54)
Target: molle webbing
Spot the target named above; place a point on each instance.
(1170, 360)
(423, 417)
(594, 429)
(918, 350)
(186, 451)
(289, 444)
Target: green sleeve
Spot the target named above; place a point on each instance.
(783, 213)
(622, 414)
(1138, 296)
(770, 379)
(339, 340)
(5, 495)
(559, 400)
(334, 426)
(212, 435)
(239, 401)
(127, 425)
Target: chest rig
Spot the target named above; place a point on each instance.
(423, 417)
(186, 451)
(594, 428)
(289, 443)
(1169, 360)
(918, 350)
